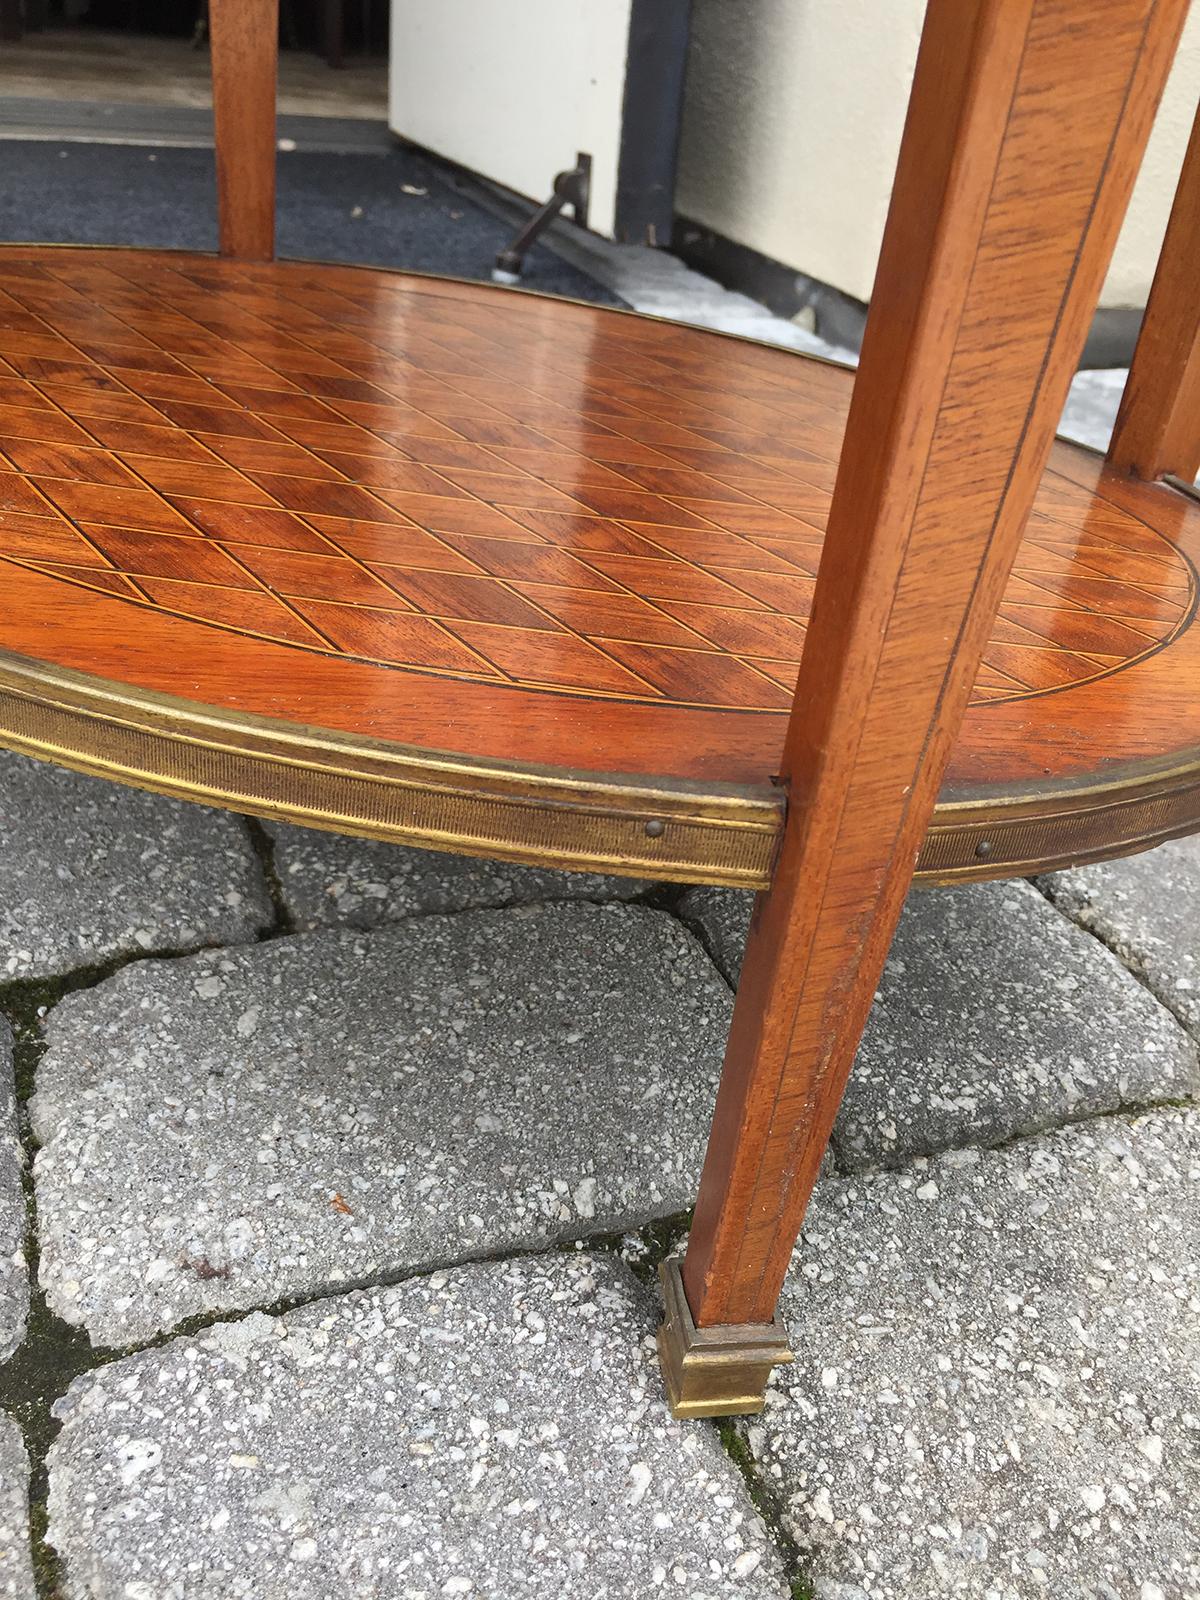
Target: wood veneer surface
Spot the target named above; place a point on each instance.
(511, 527)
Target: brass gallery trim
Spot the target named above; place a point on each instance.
(644, 827)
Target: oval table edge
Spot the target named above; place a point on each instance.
(682, 832)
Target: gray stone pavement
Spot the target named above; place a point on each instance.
(16, 1564)
(89, 872)
(1147, 909)
(494, 1431)
(14, 1274)
(990, 1341)
(995, 1391)
(329, 879)
(241, 1125)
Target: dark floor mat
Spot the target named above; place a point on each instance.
(396, 209)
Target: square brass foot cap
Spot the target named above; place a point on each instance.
(714, 1372)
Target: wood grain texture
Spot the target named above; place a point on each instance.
(1014, 172)
(244, 41)
(1158, 425)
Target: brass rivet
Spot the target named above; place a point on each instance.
(656, 827)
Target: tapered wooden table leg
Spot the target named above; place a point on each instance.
(1014, 173)
(1157, 430)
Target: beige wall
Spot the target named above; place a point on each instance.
(792, 120)
(514, 91)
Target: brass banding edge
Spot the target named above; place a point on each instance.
(1014, 835)
(639, 826)
(552, 817)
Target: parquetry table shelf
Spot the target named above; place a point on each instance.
(442, 563)
(380, 524)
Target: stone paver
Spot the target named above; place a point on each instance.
(16, 1565)
(329, 878)
(721, 917)
(996, 1017)
(89, 871)
(237, 1126)
(996, 1386)
(14, 1274)
(1147, 908)
(495, 1431)
(1091, 407)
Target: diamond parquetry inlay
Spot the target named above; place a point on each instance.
(381, 472)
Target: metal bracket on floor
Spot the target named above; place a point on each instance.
(570, 189)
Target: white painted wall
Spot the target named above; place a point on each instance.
(514, 90)
(1141, 237)
(792, 118)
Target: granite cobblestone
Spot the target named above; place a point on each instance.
(996, 1017)
(330, 880)
(14, 1273)
(90, 872)
(494, 1431)
(995, 1390)
(332, 1108)
(421, 1080)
